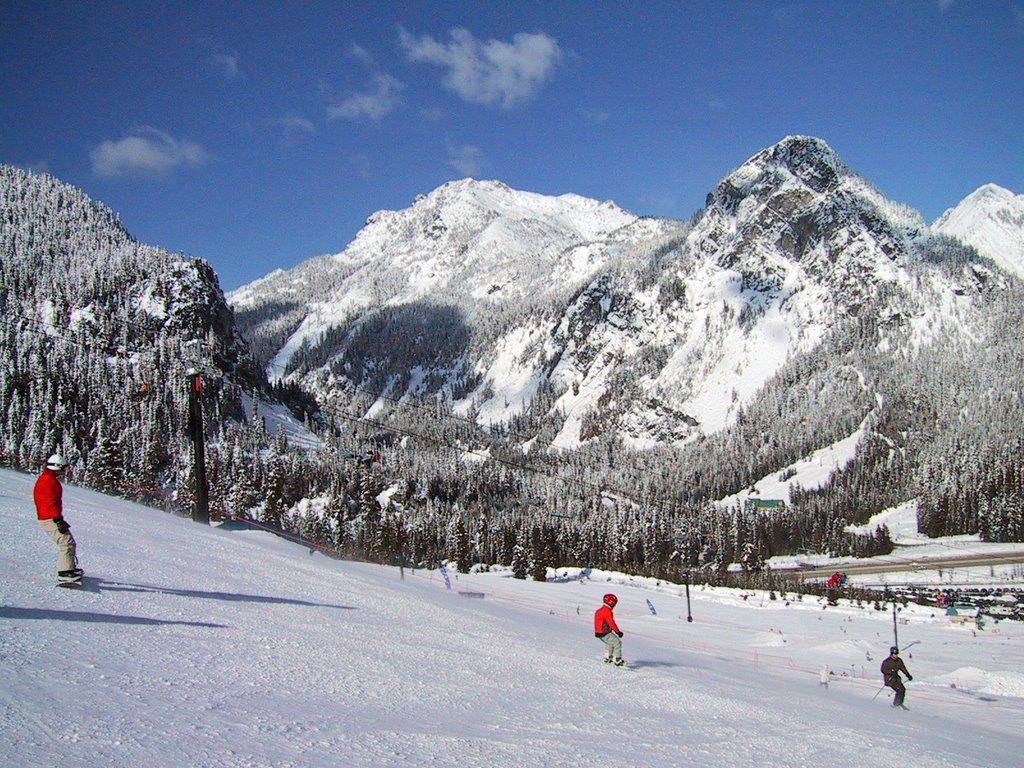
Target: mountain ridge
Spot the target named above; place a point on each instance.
(690, 359)
(95, 328)
(789, 244)
(991, 219)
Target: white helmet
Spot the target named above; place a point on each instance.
(56, 461)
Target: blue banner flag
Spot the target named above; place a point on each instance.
(651, 606)
(447, 581)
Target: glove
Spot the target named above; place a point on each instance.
(619, 634)
(62, 525)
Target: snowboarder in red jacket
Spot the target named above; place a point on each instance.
(606, 629)
(48, 496)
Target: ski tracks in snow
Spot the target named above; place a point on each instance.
(201, 647)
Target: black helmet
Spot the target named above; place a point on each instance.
(895, 650)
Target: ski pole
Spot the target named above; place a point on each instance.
(878, 692)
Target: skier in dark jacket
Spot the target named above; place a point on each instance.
(891, 668)
(606, 629)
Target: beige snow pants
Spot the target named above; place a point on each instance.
(66, 559)
(612, 646)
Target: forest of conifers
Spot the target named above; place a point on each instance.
(91, 364)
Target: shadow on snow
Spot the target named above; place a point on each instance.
(118, 586)
(642, 664)
(11, 612)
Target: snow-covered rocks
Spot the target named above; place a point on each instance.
(648, 331)
(992, 220)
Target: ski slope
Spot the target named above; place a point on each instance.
(194, 646)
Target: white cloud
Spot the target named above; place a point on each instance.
(360, 54)
(380, 100)
(293, 127)
(226, 64)
(145, 151)
(467, 160)
(293, 123)
(492, 71)
(596, 116)
(945, 5)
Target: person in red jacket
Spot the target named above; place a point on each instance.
(48, 496)
(606, 629)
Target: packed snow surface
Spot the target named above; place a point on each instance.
(277, 417)
(195, 646)
(809, 473)
(901, 521)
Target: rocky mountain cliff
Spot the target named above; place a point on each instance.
(799, 318)
(650, 331)
(96, 332)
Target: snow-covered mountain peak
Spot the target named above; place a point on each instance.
(650, 329)
(807, 159)
(805, 173)
(475, 247)
(798, 202)
(991, 219)
(988, 194)
(471, 201)
(466, 207)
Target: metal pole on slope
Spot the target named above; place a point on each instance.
(689, 616)
(895, 636)
(892, 596)
(686, 580)
(401, 547)
(201, 508)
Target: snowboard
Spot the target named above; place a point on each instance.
(71, 583)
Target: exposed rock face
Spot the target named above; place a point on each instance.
(95, 326)
(654, 331)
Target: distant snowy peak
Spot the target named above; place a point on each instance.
(809, 160)
(466, 235)
(474, 203)
(991, 219)
(807, 169)
(797, 204)
(478, 248)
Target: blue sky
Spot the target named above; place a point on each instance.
(256, 135)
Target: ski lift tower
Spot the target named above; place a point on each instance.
(197, 364)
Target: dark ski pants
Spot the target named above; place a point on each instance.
(897, 685)
(65, 542)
